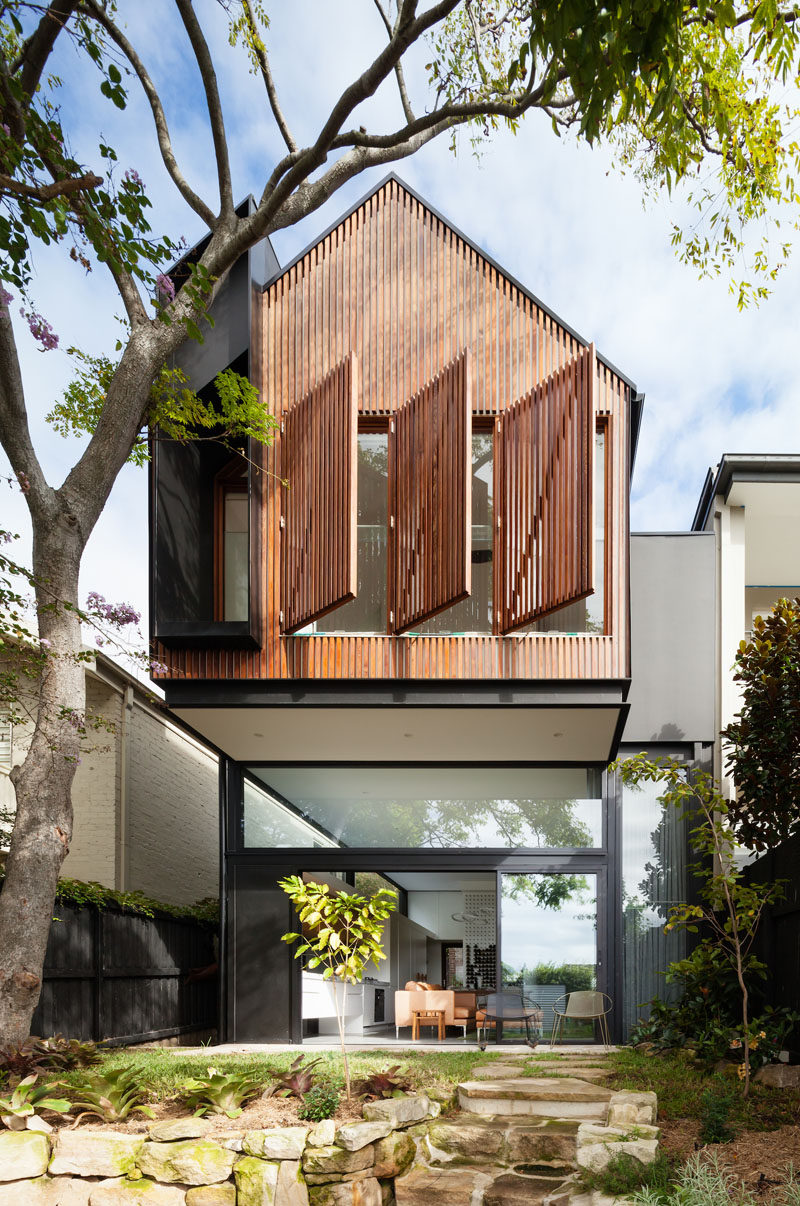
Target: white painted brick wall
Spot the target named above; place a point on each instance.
(173, 828)
(95, 791)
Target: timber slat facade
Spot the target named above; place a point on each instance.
(393, 286)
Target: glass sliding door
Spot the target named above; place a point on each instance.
(548, 939)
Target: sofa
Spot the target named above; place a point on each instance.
(458, 1007)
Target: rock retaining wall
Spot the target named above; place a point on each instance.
(401, 1153)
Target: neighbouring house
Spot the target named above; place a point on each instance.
(418, 629)
(145, 795)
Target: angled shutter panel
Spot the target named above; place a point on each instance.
(544, 492)
(431, 498)
(318, 463)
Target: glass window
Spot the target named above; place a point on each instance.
(653, 879)
(236, 556)
(587, 615)
(269, 822)
(475, 614)
(368, 611)
(434, 807)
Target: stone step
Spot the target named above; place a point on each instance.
(544, 1146)
(545, 1097)
(593, 1074)
(492, 1186)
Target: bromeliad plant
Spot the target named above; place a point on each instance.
(110, 1095)
(389, 1082)
(220, 1093)
(341, 933)
(298, 1081)
(730, 909)
(20, 1109)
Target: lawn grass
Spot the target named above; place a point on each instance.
(162, 1071)
(680, 1084)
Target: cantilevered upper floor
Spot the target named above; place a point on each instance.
(446, 499)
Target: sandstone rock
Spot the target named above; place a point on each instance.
(212, 1195)
(292, 1189)
(335, 1178)
(348, 1193)
(337, 1159)
(71, 1191)
(394, 1154)
(440, 1186)
(27, 1193)
(256, 1181)
(494, 1071)
(511, 1189)
(179, 1128)
(780, 1076)
(23, 1154)
(598, 1145)
(399, 1111)
(387, 1193)
(234, 1143)
(459, 1142)
(190, 1161)
(539, 1144)
(628, 1108)
(136, 1193)
(95, 1153)
(323, 1134)
(356, 1135)
(279, 1143)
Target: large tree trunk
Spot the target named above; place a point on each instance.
(43, 827)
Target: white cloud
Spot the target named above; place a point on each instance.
(553, 213)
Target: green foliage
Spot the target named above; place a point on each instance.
(624, 1175)
(764, 740)
(19, 1108)
(341, 934)
(82, 894)
(574, 976)
(388, 1082)
(298, 1079)
(717, 1101)
(175, 411)
(110, 1095)
(220, 1092)
(730, 909)
(320, 1102)
(703, 1181)
(22, 1060)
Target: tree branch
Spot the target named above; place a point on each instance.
(38, 47)
(46, 192)
(209, 78)
(15, 433)
(398, 71)
(195, 202)
(260, 52)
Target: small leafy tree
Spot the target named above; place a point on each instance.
(764, 740)
(730, 909)
(341, 933)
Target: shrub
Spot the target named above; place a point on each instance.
(320, 1102)
(386, 1083)
(64, 1054)
(220, 1093)
(624, 1176)
(715, 1114)
(111, 1095)
(702, 1182)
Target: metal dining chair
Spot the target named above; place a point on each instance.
(586, 1005)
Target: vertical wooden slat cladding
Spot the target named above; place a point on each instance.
(544, 495)
(432, 498)
(302, 341)
(318, 562)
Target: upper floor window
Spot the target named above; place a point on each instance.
(438, 524)
(232, 541)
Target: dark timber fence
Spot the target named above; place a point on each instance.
(115, 975)
(778, 940)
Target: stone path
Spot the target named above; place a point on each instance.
(520, 1138)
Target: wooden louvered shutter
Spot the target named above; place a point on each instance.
(431, 499)
(319, 522)
(544, 496)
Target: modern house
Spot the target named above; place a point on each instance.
(418, 628)
(145, 794)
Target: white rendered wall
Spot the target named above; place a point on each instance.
(729, 526)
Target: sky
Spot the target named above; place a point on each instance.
(555, 214)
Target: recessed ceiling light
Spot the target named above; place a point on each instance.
(408, 734)
(258, 734)
(558, 734)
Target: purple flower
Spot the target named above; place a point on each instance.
(164, 288)
(133, 177)
(158, 668)
(118, 614)
(40, 329)
(5, 299)
(6, 538)
(5, 130)
(45, 644)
